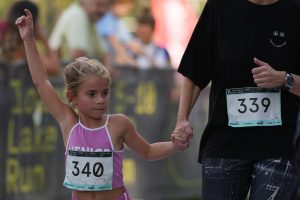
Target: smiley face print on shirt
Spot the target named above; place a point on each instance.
(278, 39)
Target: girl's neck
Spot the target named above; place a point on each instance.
(92, 123)
(263, 2)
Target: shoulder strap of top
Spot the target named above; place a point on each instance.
(106, 120)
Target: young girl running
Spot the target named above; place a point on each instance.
(94, 140)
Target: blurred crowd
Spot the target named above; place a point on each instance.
(91, 28)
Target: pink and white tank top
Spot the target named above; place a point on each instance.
(92, 164)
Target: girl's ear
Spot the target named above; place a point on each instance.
(70, 95)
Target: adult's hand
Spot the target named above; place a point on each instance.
(267, 77)
(182, 134)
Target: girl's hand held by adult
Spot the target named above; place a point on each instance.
(185, 127)
(180, 141)
(25, 25)
(181, 135)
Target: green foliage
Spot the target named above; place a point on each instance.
(4, 5)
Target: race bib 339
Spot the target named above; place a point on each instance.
(253, 106)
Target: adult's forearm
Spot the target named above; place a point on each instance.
(188, 96)
(296, 89)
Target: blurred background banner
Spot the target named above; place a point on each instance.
(31, 142)
(32, 158)
(3, 124)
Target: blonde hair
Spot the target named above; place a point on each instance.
(75, 72)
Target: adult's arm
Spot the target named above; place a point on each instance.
(188, 96)
(266, 76)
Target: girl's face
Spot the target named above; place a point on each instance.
(92, 98)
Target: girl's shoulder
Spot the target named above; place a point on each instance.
(118, 118)
(118, 125)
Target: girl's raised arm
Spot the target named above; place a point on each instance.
(38, 73)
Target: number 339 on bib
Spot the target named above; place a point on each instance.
(253, 107)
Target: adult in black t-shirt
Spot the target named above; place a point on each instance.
(249, 50)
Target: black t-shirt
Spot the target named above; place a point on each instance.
(227, 37)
